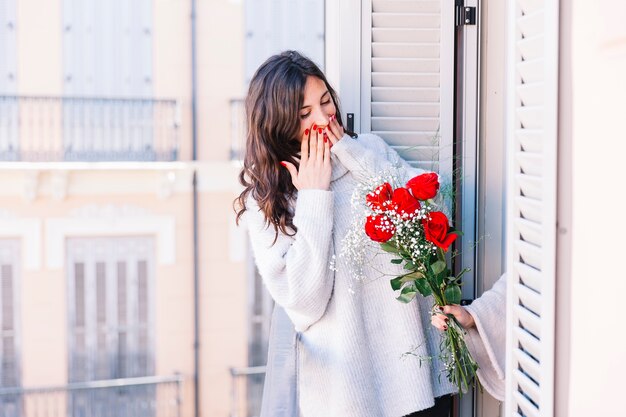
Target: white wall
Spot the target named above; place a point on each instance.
(593, 92)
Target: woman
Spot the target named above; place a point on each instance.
(299, 173)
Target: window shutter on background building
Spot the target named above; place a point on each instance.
(8, 51)
(407, 79)
(107, 48)
(273, 26)
(9, 325)
(110, 283)
(531, 232)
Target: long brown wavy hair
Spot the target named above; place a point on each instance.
(273, 103)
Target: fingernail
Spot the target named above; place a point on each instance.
(306, 132)
(325, 138)
(332, 117)
(445, 327)
(314, 127)
(319, 131)
(283, 164)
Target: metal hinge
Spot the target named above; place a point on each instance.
(465, 15)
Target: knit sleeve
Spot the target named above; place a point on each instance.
(370, 154)
(296, 269)
(487, 342)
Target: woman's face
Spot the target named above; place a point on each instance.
(317, 107)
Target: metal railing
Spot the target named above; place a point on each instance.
(237, 129)
(37, 128)
(154, 396)
(246, 391)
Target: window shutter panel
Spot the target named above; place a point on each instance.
(273, 26)
(531, 233)
(8, 52)
(407, 78)
(9, 324)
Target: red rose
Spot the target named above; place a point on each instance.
(404, 202)
(424, 186)
(380, 197)
(379, 228)
(436, 230)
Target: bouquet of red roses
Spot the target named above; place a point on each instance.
(404, 221)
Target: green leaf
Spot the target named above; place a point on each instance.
(397, 282)
(423, 287)
(407, 294)
(438, 267)
(453, 294)
(397, 261)
(389, 247)
(410, 266)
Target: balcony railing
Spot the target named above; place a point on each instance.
(88, 129)
(246, 391)
(129, 397)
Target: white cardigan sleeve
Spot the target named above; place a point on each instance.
(487, 342)
(296, 269)
(370, 154)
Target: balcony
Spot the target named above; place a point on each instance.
(128, 397)
(88, 129)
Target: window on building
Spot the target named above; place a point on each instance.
(110, 304)
(9, 328)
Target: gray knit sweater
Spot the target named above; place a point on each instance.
(350, 336)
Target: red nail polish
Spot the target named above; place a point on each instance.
(314, 127)
(283, 164)
(306, 132)
(445, 327)
(325, 138)
(319, 131)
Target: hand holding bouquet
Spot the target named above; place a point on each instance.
(404, 222)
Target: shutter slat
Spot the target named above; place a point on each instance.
(530, 140)
(530, 186)
(404, 123)
(529, 231)
(530, 388)
(411, 50)
(530, 276)
(528, 364)
(405, 20)
(398, 79)
(394, 108)
(531, 94)
(529, 254)
(406, 94)
(405, 65)
(529, 342)
(529, 208)
(529, 320)
(531, 24)
(531, 48)
(531, 117)
(405, 35)
(405, 6)
(530, 163)
(531, 71)
(425, 138)
(529, 298)
(528, 408)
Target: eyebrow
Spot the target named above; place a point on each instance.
(323, 95)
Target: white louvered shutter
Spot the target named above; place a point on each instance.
(273, 26)
(10, 405)
(8, 51)
(531, 233)
(408, 78)
(111, 307)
